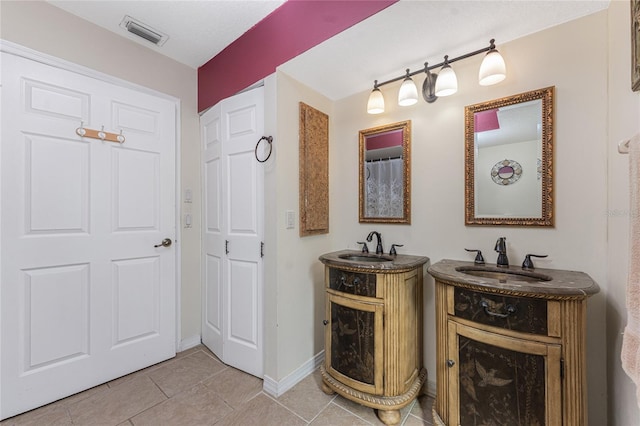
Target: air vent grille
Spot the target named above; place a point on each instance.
(143, 30)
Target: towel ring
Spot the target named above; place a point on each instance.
(269, 140)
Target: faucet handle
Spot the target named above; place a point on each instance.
(393, 251)
(528, 263)
(365, 249)
(479, 260)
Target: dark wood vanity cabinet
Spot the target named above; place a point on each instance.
(373, 336)
(505, 356)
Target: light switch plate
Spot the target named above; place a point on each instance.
(290, 219)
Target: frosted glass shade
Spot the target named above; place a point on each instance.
(408, 94)
(493, 69)
(447, 82)
(376, 102)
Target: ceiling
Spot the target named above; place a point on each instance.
(404, 35)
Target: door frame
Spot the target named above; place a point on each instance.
(44, 58)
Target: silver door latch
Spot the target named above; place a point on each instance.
(165, 243)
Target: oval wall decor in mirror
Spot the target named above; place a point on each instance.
(506, 172)
(509, 160)
(385, 187)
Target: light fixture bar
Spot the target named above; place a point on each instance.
(431, 67)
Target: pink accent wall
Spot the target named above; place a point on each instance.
(486, 120)
(288, 31)
(385, 140)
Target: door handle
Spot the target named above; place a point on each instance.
(165, 243)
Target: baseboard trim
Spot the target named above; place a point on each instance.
(189, 342)
(276, 388)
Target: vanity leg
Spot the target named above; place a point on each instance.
(389, 417)
(326, 389)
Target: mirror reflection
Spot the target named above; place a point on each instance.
(384, 173)
(508, 160)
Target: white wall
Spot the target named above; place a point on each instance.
(623, 120)
(573, 58)
(48, 29)
(294, 285)
(523, 197)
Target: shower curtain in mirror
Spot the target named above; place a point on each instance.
(384, 188)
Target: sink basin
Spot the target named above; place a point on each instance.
(503, 275)
(366, 258)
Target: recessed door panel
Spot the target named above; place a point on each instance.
(211, 132)
(136, 294)
(136, 189)
(242, 193)
(241, 122)
(55, 101)
(213, 202)
(133, 119)
(213, 293)
(56, 185)
(243, 298)
(56, 315)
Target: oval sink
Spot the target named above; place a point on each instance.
(365, 258)
(503, 275)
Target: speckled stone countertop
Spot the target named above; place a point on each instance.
(560, 284)
(386, 264)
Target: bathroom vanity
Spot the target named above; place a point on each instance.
(511, 345)
(373, 330)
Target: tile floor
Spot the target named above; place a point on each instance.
(195, 388)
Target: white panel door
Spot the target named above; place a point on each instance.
(86, 297)
(233, 233)
(213, 240)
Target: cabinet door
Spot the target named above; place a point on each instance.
(495, 379)
(353, 342)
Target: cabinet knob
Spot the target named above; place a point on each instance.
(325, 322)
(450, 363)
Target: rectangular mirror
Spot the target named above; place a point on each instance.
(509, 160)
(385, 182)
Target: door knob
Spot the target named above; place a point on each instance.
(165, 243)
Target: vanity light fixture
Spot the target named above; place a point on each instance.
(408, 93)
(492, 71)
(376, 100)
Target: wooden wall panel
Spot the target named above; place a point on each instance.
(314, 171)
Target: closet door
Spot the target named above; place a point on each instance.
(233, 231)
(86, 295)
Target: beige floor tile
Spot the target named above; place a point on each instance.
(422, 408)
(306, 398)
(334, 415)
(197, 406)
(367, 413)
(55, 414)
(412, 420)
(234, 386)
(185, 372)
(116, 405)
(262, 411)
(84, 395)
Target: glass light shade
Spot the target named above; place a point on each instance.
(408, 94)
(376, 102)
(447, 82)
(493, 69)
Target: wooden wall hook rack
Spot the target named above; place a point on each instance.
(100, 134)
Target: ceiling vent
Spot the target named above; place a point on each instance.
(143, 30)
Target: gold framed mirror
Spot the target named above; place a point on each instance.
(509, 160)
(385, 173)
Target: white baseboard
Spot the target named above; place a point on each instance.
(189, 343)
(276, 388)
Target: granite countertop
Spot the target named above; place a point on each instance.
(386, 264)
(559, 284)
